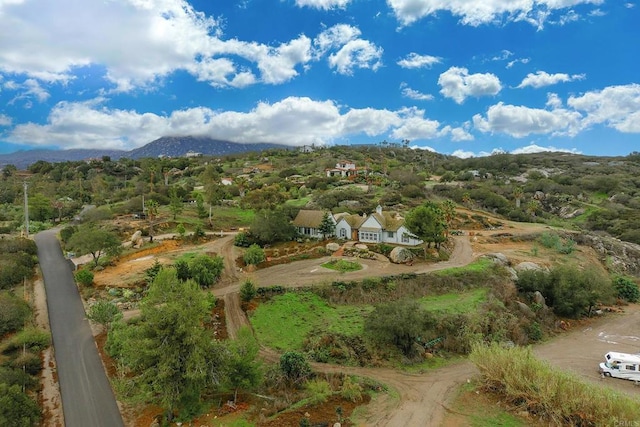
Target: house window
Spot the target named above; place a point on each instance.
(405, 238)
(307, 231)
(390, 234)
(369, 237)
(343, 233)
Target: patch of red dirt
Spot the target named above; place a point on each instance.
(322, 414)
(159, 248)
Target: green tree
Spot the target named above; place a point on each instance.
(272, 226)
(247, 291)
(427, 222)
(295, 366)
(327, 226)
(170, 357)
(40, 207)
(17, 408)
(518, 192)
(206, 270)
(200, 209)
(95, 241)
(448, 208)
(568, 290)
(104, 313)
(175, 203)
(264, 198)
(14, 312)
(152, 212)
(399, 323)
(254, 255)
(243, 369)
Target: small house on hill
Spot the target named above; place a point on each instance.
(345, 169)
(378, 227)
(307, 222)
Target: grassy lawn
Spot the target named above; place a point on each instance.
(228, 216)
(479, 265)
(455, 303)
(298, 203)
(342, 265)
(285, 321)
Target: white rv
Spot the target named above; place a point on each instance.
(621, 365)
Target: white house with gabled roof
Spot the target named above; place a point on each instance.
(379, 227)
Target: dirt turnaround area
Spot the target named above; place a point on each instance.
(418, 399)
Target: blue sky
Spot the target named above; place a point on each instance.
(462, 77)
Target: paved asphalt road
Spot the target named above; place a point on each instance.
(87, 398)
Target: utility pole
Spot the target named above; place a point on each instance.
(26, 208)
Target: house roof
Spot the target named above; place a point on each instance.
(354, 221)
(390, 221)
(309, 218)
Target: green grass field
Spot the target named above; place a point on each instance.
(285, 321)
(479, 265)
(464, 302)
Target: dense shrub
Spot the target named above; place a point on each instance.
(13, 313)
(84, 277)
(569, 291)
(400, 324)
(295, 366)
(254, 255)
(242, 240)
(627, 289)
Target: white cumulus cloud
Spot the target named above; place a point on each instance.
(293, 121)
(520, 121)
(533, 148)
(478, 12)
(614, 106)
(348, 50)
(414, 60)
(407, 92)
(139, 43)
(542, 78)
(323, 4)
(458, 84)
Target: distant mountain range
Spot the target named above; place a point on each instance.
(171, 146)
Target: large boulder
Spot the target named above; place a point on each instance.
(498, 258)
(332, 247)
(538, 298)
(400, 255)
(525, 309)
(361, 247)
(528, 266)
(136, 236)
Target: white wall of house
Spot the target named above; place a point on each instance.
(403, 236)
(343, 230)
(310, 232)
